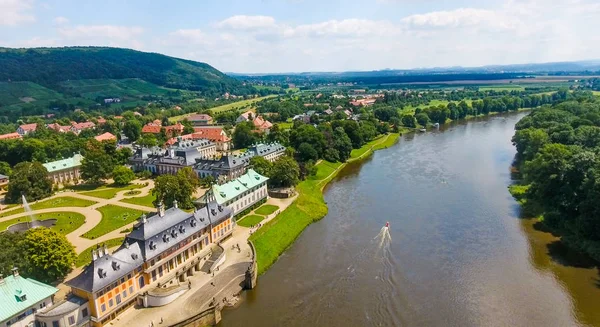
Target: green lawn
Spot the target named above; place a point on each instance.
(266, 209)
(109, 191)
(596, 92)
(85, 257)
(286, 125)
(65, 224)
(143, 200)
(113, 217)
(381, 142)
(65, 201)
(279, 233)
(250, 220)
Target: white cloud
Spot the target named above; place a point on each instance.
(60, 20)
(37, 41)
(15, 12)
(462, 17)
(344, 28)
(243, 22)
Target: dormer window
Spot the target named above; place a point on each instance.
(101, 273)
(193, 223)
(166, 238)
(181, 229)
(134, 256)
(174, 233)
(23, 297)
(213, 211)
(152, 245)
(220, 207)
(116, 266)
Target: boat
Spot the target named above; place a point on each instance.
(387, 224)
(422, 130)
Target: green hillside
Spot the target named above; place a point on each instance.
(52, 67)
(25, 92)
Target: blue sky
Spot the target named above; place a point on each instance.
(308, 35)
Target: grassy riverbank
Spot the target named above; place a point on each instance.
(276, 236)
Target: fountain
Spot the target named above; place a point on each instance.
(31, 222)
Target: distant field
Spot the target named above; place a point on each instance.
(286, 125)
(226, 107)
(502, 87)
(411, 109)
(596, 93)
(25, 92)
(270, 88)
(128, 89)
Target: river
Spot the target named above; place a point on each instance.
(459, 253)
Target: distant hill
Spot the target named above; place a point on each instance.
(51, 67)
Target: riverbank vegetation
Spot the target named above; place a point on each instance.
(558, 155)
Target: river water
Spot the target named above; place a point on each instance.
(459, 253)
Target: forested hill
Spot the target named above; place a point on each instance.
(50, 66)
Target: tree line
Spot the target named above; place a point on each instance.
(558, 154)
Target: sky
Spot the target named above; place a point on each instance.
(269, 36)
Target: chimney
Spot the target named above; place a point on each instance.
(105, 249)
(175, 204)
(100, 252)
(143, 219)
(161, 210)
(1, 279)
(94, 255)
(15, 271)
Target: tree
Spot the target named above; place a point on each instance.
(181, 187)
(123, 155)
(409, 121)
(342, 144)
(29, 179)
(187, 127)
(132, 129)
(11, 255)
(97, 164)
(243, 136)
(122, 175)
(285, 172)
(147, 140)
(5, 168)
(49, 254)
(422, 118)
(307, 152)
(261, 165)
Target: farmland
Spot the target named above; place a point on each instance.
(244, 104)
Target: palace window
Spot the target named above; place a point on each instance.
(84, 312)
(110, 303)
(103, 307)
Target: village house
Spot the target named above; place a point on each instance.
(79, 127)
(260, 124)
(10, 136)
(112, 100)
(22, 298)
(27, 129)
(151, 128)
(162, 249)
(214, 134)
(59, 128)
(105, 137)
(240, 193)
(65, 170)
(200, 119)
(174, 130)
